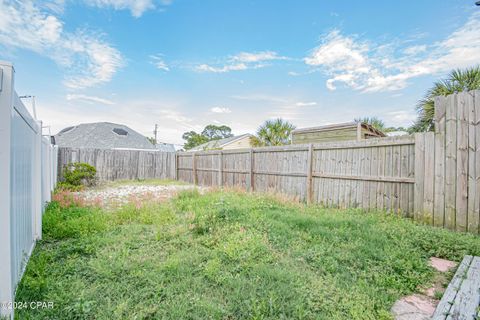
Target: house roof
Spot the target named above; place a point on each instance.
(102, 135)
(217, 144)
(338, 126)
(165, 147)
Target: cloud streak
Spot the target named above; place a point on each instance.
(220, 110)
(242, 61)
(159, 63)
(136, 7)
(89, 99)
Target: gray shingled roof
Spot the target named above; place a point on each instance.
(165, 147)
(102, 135)
(217, 144)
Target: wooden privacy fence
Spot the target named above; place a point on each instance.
(433, 176)
(114, 164)
(447, 190)
(371, 174)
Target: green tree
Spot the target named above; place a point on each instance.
(209, 133)
(152, 140)
(374, 122)
(457, 81)
(273, 133)
(214, 132)
(379, 124)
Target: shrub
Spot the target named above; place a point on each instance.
(77, 175)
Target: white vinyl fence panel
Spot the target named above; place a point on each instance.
(27, 177)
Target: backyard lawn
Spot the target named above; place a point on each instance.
(229, 255)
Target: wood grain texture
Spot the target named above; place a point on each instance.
(443, 309)
(472, 215)
(439, 204)
(450, 161)
(461, 201)
(419, 175)
(467, 299)
(476, 202)
(429, 177)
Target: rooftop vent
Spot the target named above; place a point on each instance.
(120, 131)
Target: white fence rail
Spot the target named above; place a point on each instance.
(27, 177)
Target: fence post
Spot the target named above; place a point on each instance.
(251, 176)
(6, 96)
(175, 175)
(419, 176)
(220, 169)
(309, 190)
(194, 168)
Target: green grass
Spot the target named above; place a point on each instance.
(229, 255)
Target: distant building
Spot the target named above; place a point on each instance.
(102, 135)
(236, 142)
(165, 147)
(336, 132)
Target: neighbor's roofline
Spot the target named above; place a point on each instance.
(237, 138)
(200, 147)
(336, 126)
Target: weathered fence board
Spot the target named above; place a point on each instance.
(457, 161)
(450, 161)
(476, 156)
(439, 203)
(121, 164)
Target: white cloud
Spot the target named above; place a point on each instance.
(220, 110)
(305, 104)
(223, 69)
(415, 49)
(369, 68)
(248, 57)
(159, 63)
(89, 99)
(136, 7)
(242, 61)
(87, 59)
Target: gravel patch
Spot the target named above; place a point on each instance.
(137, 194)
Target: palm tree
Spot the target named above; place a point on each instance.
(457, 81)
(273, 133)
(374, 122)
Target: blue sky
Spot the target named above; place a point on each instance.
(184, 64)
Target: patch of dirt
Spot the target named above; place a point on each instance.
(414, 307)
(442, 265)
(422, 306)
(112, 197)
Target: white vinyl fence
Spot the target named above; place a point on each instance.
(27, 177)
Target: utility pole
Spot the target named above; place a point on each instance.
(155, 133)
